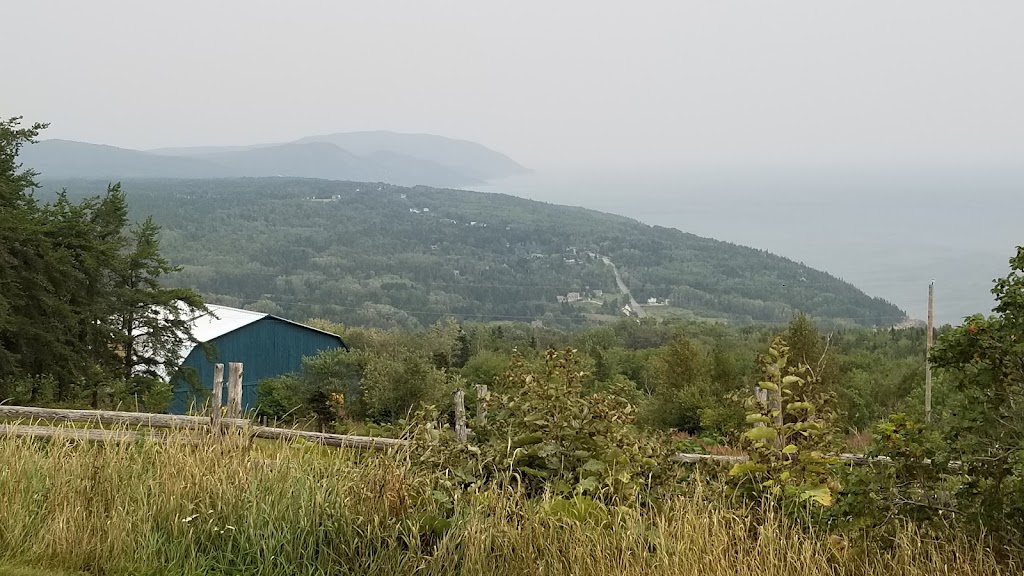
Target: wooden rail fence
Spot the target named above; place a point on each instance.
(131, 425)
(140, 421)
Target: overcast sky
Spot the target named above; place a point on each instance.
(581, 83)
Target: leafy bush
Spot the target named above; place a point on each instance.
(790, 434)
(904, 479)
(546, 435)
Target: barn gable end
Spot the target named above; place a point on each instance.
(268, 347)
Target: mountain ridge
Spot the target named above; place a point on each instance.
(403, 159)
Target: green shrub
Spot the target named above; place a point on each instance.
(545, 435)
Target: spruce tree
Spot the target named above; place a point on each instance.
(82, 303)
(152, 321)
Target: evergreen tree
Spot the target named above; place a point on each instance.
(152, 322)
(807, 346)
(683, 386)
(463, 349)
(81, 301)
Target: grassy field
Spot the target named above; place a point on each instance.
(148, 508)
(22, 571)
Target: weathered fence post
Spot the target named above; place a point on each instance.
(235, 390)
(482, 396)
(215, 396)
(461, 432)
(780, 440)
(762, 396)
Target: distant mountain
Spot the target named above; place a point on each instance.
(466, 157)
(314, 160)
(68, 159)
(401, 159)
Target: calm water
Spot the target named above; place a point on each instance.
(888, 233)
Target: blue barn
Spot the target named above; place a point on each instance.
(267, 346)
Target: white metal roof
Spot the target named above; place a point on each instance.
(222, 320)
(219, 322)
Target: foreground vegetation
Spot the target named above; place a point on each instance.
(184, 509)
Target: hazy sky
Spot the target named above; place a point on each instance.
(582, 83)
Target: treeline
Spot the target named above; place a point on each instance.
(84, 318)
(682, 376)
(392, 257)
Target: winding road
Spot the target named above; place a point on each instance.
(640, 312)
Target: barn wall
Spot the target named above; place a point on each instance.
(268, 347)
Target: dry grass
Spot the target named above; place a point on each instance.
(148, 508)
(860, 442)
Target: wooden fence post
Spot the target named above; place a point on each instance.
(780, 440)
(215, 396)
(482, 396)
(762, 396)
(461, 432)
(235, 390)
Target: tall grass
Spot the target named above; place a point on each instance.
(184, 508)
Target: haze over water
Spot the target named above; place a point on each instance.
(887, 232)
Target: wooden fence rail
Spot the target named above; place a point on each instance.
(336, 440)
(139, 420)
(89, 434)
(143, 420)
(111, 418)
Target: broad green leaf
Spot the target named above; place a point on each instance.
(587, 485)
(535, 472)
(761, 434)
(527, 440)
(744, 468)
(753, 418)
(791, 449)
(594, 465)
(820, 494)
(792, 380)
(768, 386)
(800, 406)
(434, 524)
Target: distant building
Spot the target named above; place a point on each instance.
(652, 300)
(573, 297)
(561, 299)
(598, 293)
(266, 345)
(537, 324)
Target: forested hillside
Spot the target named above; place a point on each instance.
(388, 256)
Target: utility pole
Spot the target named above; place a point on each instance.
(927, 359)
